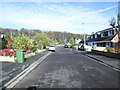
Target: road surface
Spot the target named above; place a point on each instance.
(67, 69)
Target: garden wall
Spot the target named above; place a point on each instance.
(101, 48)
(108, 54)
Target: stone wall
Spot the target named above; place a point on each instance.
(101, 48)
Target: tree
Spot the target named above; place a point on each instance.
(22, 42)
(72, 41)
(116, 27)
(9, 41)
(42, 40)
(113, 23)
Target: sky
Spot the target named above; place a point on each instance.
(74, 17)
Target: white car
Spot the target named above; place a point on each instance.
(87, 48)
(51, 48)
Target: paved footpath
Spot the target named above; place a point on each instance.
(112, 62)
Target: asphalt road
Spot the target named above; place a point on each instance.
(67, 69)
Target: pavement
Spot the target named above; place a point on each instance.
(68, 69)
(9, 70)
(112, 62)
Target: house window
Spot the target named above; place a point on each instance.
(112, 32)
(91, 36)
(109, 44)
(98, 35)
(106, 33)
(103, 44)
(99, 44)
(102, 34)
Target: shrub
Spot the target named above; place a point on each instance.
(42, 40)
(9, 41)
(111, 50)
(34, 49)
(20, 42)
(118, 50)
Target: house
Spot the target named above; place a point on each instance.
(12, 32)
(102, 39)
(105, 38)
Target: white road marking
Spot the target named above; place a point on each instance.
(20, 76)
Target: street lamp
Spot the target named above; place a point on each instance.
(84, 40)
(118, 19)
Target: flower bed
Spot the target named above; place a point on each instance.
(7, 52)
(7, 55)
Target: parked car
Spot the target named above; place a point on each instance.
(65, 46)
(79, 46)
(84, 47)
(87, 48)
(51, 48)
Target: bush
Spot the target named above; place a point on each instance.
(118, 50)
(42, 40)
(34, 49)
(22, 42)
(9, 41)
(111, 50)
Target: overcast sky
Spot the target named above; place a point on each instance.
(75, 17)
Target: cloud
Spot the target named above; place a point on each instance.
(103, 10)
(59, 0)
(54, 16)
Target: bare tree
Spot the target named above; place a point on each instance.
(114, 25)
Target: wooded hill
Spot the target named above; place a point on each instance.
(56, 36)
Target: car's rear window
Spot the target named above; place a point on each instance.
(51, 46)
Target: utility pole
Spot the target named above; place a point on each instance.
(84, 40)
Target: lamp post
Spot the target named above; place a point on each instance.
(118, 18)
(84, 40)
